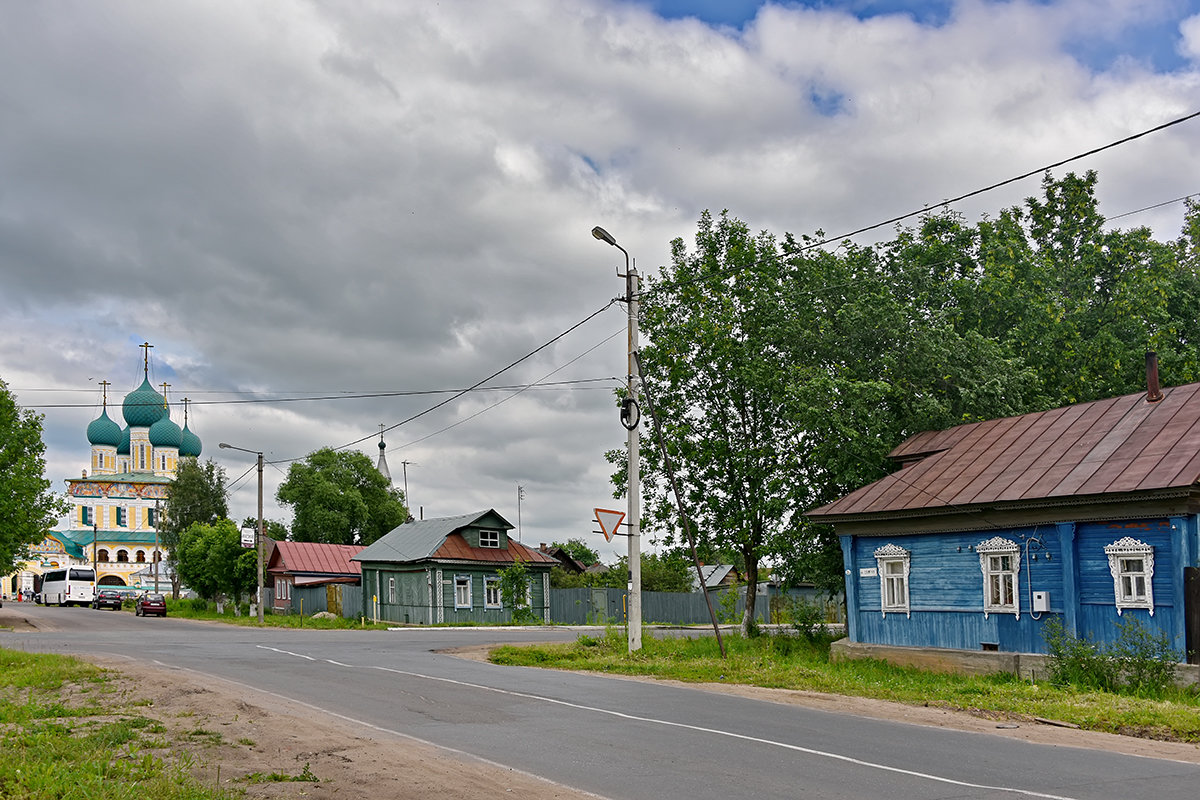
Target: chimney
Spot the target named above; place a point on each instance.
(1153, 393)
(542, 547)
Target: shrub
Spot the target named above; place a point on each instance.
(1140, 662)
(807, 618)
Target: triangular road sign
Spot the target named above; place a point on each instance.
(609, 521)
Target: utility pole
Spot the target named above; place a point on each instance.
(630, 415)
(259, 537)
(156, 558)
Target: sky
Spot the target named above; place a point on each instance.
(328, 216)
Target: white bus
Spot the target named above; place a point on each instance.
(69, 587)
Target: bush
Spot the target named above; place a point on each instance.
(1140, 662)
(807, 618)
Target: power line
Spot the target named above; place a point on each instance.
(944, 204)
(470, 388)
(571, 385)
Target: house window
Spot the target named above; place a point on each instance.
(1131, 563)
(462, 591)
(489, 538)
(1000, 562)
(893, 579)
(283, 589)
(491, 593)
(392, 591)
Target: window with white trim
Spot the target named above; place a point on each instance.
(1000, 562)
(1131, 563)
(893, 562)
(489, 538)
(392, 591)
(491, 593)
(462, 591)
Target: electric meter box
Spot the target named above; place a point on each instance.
(1041, 602)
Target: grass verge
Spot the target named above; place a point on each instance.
(64, 735)
(792, 662)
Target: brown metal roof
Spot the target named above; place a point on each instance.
(1122, 444)
(455, 548)
(315, 558)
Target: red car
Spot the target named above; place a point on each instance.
(148, 604)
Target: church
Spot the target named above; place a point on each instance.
(116, 500)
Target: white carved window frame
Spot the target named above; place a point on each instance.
(462, 586)
(998, 548)
(887, 555)
(1121, 554)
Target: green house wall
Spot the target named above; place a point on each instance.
(418, 598)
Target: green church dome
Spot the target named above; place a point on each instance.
(102, 430)
(165, 433)
(190, 444)
(143, 406)
(123, 445)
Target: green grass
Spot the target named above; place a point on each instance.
(51, 749)
(790, 662)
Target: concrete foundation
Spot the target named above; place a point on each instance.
(1030, 666)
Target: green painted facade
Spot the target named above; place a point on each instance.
(405, 580)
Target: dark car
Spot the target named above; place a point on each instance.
(148, 604)
(108, 598)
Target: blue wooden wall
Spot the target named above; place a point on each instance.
(1068, 561)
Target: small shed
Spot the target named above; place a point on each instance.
(447, 570)
(294, 565)
(1086, 514)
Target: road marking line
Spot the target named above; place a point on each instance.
(697, 728)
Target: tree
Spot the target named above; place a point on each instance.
(339, 497)
(27, 506)
(213, 562)
(514, 591)
(196, 495)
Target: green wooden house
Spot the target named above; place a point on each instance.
(447, 570)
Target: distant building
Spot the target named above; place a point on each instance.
(114, 509)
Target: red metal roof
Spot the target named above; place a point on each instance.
(456, 548)
(1122, 444)
(315, 558)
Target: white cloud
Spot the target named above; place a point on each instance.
(381, 196)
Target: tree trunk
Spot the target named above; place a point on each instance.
(748, 622)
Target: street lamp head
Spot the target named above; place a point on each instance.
(604, 235)
(224, 446)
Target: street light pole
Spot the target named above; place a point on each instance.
(259, 538)
(630, 414)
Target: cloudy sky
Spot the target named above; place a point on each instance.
(297, 200)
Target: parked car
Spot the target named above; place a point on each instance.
(150, 603)
(108, 598)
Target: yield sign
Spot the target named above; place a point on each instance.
(609, 521)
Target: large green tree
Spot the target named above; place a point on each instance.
(196, 495)
(28, 509)
(213, 562)
(339, 497)
(785, 372)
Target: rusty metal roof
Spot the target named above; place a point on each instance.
(455, 548)
(315, 558)
(1118, 445)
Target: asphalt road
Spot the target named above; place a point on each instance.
(616, 738)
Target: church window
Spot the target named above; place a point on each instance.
(102, 554)
(141, 456)
(122, 518)
(86, 515)
(122, 556)
(140, 557)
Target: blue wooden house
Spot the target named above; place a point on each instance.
(1086, 513)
